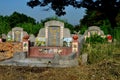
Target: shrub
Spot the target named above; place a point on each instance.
(98, 52)
(117, 33)
(96, 39)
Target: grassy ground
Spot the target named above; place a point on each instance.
(104, 69)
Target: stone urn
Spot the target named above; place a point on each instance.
(75, 37)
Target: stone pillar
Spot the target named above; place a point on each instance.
(84, 58)
(75, 44)
(46, 35)
(61, 35)
(26, 44)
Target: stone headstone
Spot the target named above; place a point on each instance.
(17, 34)
(54, 36)
(54, 33)
(93, 30)
(84, 58)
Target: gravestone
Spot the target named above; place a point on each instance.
(17, 34)
(93, 30)
(53, 36)
(54, 33)
(84, 58)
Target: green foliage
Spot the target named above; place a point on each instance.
(105, 26)
(8, 22)
(95, 39)
(30, 28)
(117, 33)
(4, 26)
(17, 18)
(83, 29)
(92, 17)
(40, 43)
(98, 52)
(51, 18)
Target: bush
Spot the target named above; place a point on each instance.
(117, 33)
(98, 52)
(95, 39)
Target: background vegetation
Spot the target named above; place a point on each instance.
(27, 23)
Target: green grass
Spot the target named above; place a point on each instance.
(100, 51)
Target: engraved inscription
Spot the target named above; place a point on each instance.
(54, 36)
(17, 35)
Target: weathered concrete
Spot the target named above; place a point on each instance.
(20, 60)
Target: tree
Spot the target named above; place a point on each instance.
(31, 28)
(4, 26)
(92, 17)
(109, 7)
(17, 18)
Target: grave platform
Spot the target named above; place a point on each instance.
(19, 59)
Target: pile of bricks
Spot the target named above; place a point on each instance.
(7, 49)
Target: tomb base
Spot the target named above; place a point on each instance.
(49, 52)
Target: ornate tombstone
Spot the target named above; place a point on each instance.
(54, 33)
(92, 31)
(52, 40)
(17, 34)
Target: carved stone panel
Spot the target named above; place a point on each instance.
(54, 36)
(17, 34)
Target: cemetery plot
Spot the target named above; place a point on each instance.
(53, 42)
